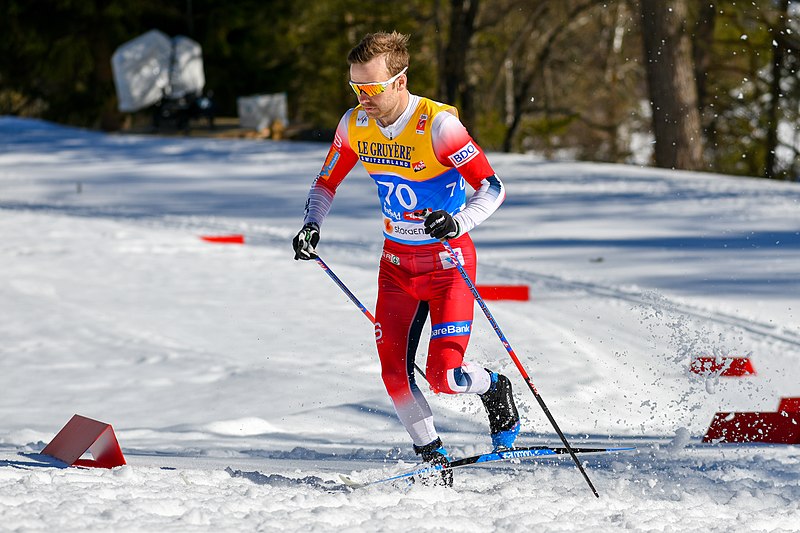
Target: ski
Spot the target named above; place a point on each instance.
(483, 458)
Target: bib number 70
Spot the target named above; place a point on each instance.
(403, 193)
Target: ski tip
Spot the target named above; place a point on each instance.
(350, 482)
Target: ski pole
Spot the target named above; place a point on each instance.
(344, 288)
(355, 300)
(510, 350)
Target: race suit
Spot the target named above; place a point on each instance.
(420, 163)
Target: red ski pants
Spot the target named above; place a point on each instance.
(414, 282)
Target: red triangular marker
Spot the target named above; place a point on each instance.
(83, 434)
(724, 366)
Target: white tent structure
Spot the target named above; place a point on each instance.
(152, 66)
(262, 110)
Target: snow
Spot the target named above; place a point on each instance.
(241, 383)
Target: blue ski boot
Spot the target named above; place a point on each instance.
(503, 416)
(435, 454)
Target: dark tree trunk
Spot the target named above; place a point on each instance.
(703, 41)
(773, 111)
(457, 90)
(671, 83)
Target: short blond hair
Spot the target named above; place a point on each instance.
(393, 46)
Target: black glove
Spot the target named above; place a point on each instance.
(305, 242)
(441, 225)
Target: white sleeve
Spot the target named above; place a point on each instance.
(482, 204)
(318, 205)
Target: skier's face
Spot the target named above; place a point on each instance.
(388, 105)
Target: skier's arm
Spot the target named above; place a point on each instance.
(339, 162)
(455, 147)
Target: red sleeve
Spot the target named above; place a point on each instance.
(454, 147)
(340, 160)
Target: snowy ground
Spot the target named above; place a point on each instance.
(240, 382)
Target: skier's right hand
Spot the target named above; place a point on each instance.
(305, 242)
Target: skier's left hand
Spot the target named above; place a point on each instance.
(441, 225)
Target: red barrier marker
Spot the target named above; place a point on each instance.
(224, 239)
(778, 428)
(789, 405)
(83, 434)
(504, 292)
(724, 366)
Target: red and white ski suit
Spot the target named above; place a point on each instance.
(420, 164)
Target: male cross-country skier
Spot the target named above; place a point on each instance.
(421, 158)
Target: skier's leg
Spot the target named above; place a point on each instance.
(399, 320)
(451, 318)
(451, 309)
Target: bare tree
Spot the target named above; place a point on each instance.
(671, 84)
(532, 50)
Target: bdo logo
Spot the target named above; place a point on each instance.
(466, 153)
